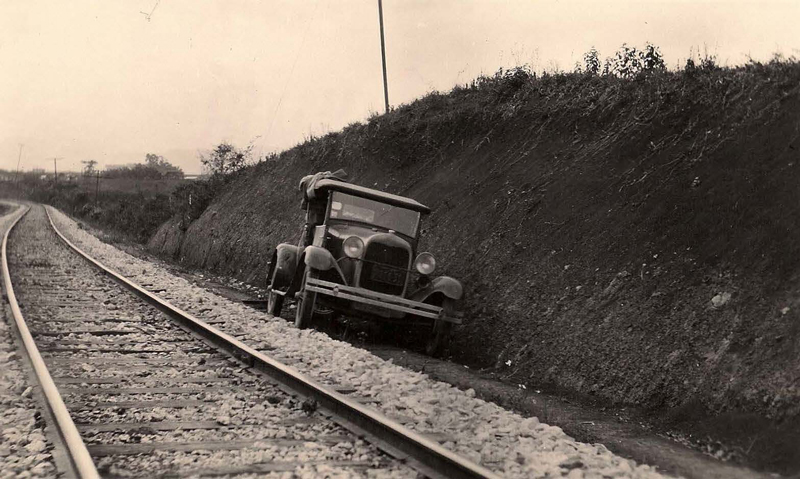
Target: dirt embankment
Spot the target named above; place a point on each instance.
(634, 240)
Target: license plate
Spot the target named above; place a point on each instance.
(387, 275)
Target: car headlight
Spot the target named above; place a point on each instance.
(353, 247)
(425, 263)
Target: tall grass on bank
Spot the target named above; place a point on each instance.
(134, 214)
(134, 209)
(466, 110)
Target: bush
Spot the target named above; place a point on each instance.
(630, 62)
(652, 58)
(226, 158)
(591, 62)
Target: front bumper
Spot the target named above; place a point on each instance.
(387, 301)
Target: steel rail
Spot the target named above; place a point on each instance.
(401, 442)
(79, 458)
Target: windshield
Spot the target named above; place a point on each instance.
(354, 208)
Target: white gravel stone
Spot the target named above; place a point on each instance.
(503, 441)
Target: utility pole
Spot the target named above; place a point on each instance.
(55, 171)
(383, 57)
(96, 189)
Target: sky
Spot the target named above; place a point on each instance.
(113, 80)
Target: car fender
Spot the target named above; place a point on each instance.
(319, 258)
(316, 258)
(450, 287)
(283, 265)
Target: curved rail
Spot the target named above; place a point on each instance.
(426, 455)
(79, 458)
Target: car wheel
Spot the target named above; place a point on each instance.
(274, 303)
(439, 336)
(304, 314)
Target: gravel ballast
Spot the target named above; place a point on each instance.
(505, 442)
(100, 341)
(24, 447)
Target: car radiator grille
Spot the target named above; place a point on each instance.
(377, 273)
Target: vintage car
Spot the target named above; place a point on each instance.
(358, 256)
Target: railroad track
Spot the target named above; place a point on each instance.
(139, 388)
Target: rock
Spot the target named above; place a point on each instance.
(573, 462)
(37, 445)
(224, 419)
(575, 474)
(529, 426)
(720, 300)
(309, 406)
(41, 469)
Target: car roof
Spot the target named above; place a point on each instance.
(369, 193)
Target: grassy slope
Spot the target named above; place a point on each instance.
(592, 221)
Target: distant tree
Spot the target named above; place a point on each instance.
(138, 172)
(226, 158)
(89, 167)
(164, 167)
(152, 160)
(155, 167)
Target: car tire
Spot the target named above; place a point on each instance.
(439, 338)
(274, 300)
(304, 314)
(274, 303)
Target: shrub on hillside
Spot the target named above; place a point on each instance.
(190, 200)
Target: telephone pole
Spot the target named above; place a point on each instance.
(383, 57)
(55, 170)
(96, 189)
